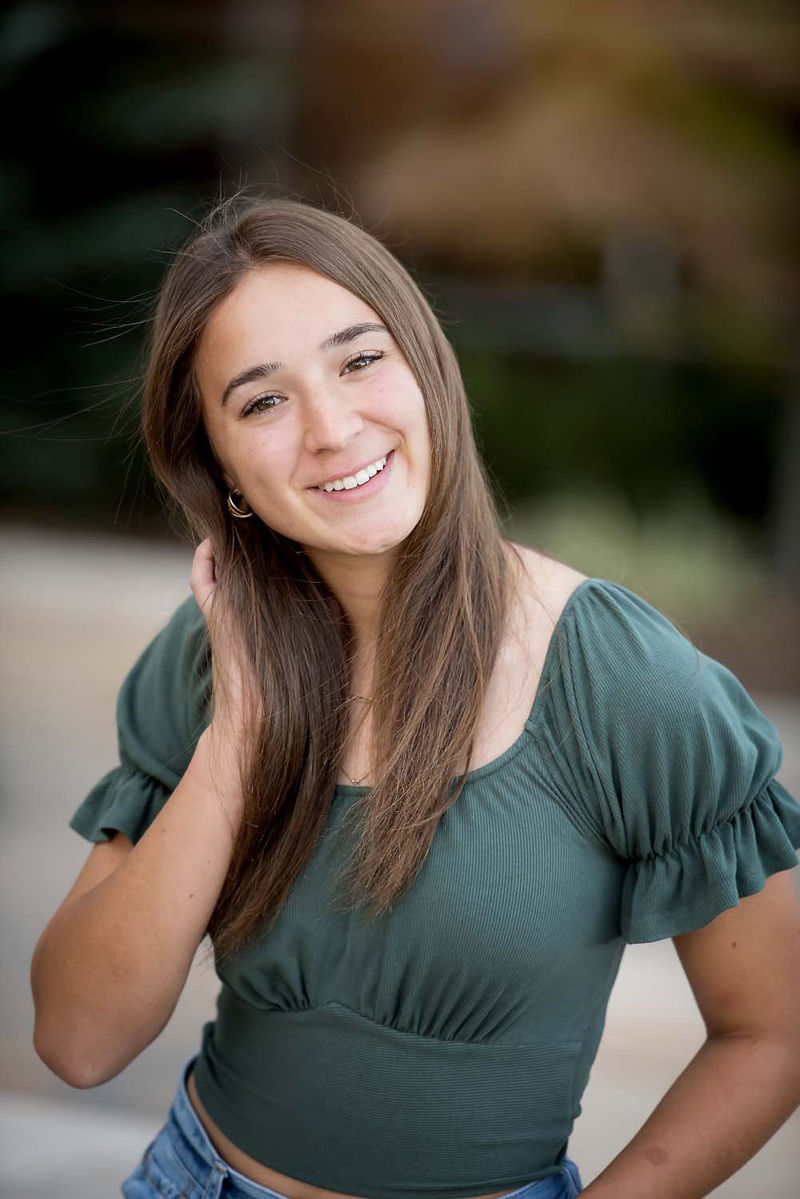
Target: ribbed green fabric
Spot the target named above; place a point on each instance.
(443, 1049)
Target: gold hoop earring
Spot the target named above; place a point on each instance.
(236, 511)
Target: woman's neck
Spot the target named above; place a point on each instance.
(357, 581)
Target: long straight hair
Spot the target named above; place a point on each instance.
(441, 614)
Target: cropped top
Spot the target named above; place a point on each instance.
(442, 1050)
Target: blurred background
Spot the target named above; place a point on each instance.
(599, 199)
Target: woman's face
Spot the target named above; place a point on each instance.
(295, 396)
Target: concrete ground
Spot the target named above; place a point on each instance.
(75, 611)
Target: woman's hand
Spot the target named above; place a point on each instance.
(203, 577)
(232, 679)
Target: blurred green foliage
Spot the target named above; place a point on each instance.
(639, 429)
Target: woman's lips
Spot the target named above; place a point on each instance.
(364, 490)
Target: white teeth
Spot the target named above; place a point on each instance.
(357, 480)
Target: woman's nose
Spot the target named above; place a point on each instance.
(330, 423)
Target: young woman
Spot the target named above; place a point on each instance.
(418, 784)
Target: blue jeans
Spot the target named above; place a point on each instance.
(181, 1163)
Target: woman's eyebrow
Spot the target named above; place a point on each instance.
(264, 369)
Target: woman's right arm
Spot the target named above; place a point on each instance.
(109, 968)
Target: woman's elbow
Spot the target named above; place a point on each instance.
(75, 1066)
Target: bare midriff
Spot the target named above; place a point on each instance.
(257, 1172)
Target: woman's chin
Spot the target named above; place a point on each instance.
(372, 545)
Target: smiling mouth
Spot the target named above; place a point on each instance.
(358, 479)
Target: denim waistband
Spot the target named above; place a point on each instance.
(201, 1158)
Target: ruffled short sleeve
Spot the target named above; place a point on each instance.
(679, 768)
(161, 711)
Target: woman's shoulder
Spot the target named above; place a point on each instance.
(627, 672)
(544, 568)
(657, 751)
(162, 709)
(545, 587)
(172, 675)
(184, 637)
(609, 618)
(615, 656)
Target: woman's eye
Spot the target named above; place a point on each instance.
(363, 358)
(263, 403)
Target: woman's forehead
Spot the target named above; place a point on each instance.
(281, 300)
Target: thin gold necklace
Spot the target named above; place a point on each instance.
(357, 782)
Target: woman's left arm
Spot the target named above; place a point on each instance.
(744, 1082)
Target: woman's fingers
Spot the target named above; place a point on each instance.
(229, 661)
(202, 578)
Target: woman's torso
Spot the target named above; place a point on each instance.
(543, 590)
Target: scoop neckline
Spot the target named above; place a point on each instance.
(513, 749)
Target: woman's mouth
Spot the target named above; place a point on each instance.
(366, 482)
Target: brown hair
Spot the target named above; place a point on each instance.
(442, 611)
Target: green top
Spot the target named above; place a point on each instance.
(443, 1049)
